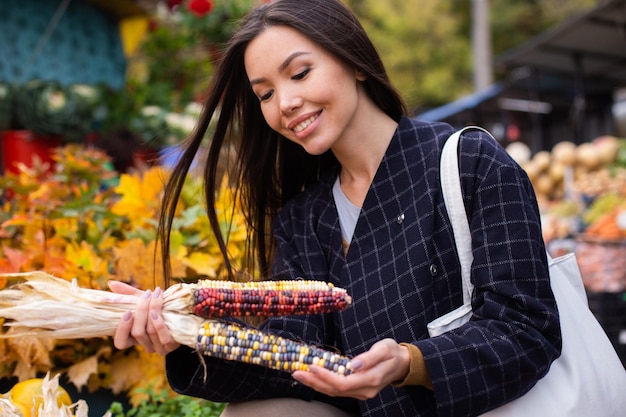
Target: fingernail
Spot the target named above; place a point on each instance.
(157, 292)
(154, 315)
(147, 294)
(127, 315)
(356, 364)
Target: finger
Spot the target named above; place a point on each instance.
(158, 332)
(122, 338)
(356, 385)
(123, 288)
(166, 343)
(357, 364)
(380, 352)
(140, 322)
(155, 304)
(323, 380)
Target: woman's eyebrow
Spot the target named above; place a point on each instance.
(282, 66)
(290, 58)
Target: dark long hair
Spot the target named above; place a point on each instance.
(269, 169)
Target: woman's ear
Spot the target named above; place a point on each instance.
(360, 75)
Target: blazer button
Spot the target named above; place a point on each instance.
(433, 270)
(400, 218)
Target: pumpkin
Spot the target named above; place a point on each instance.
(28, 396)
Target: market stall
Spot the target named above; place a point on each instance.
(560, 109)
(582, 194)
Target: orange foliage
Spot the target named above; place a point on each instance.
(85, 222)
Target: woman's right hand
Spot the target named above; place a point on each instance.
(145, 326)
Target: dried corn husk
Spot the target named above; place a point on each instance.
(8, 409)
(50, 407)
(46, 306)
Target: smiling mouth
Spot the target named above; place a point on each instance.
(304, 124)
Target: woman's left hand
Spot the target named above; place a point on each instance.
(145, 325)
(386, 362)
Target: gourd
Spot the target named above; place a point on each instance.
(28, 396)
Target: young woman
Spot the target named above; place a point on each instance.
(351, 188)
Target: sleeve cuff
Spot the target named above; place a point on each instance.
(418, 373)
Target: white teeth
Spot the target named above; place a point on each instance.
(301, 126)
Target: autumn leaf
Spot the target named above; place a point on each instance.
(79, 373)
(17, 220)
(66, 227)
(132, 371)
(203, 263)
(135, 262)
(8, 357)
(54, 259)
(13, 259)
(85, 372)
(33, 354)
(125, 370)
(84, 264)
(44, 192)
(131, 203)
(140, 196)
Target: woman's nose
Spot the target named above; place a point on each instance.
(289, 102)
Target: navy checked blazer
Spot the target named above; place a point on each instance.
(402, 272)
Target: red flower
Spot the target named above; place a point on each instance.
(200, 7)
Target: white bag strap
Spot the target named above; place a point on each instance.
(453, 198)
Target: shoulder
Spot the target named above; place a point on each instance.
(431, 136)
(476, 145)
(424, 131)
(489, 175)
(417, 144)
(479, 152)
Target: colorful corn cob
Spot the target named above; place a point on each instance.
(214, 299)
(85, 313)
(233, 342)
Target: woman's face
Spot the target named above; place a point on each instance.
(306, 93)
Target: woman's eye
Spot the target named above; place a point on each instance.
(266, 96)
(301, 74)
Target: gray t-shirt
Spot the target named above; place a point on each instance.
(348, 212)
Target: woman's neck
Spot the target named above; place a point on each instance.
(361, 153)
